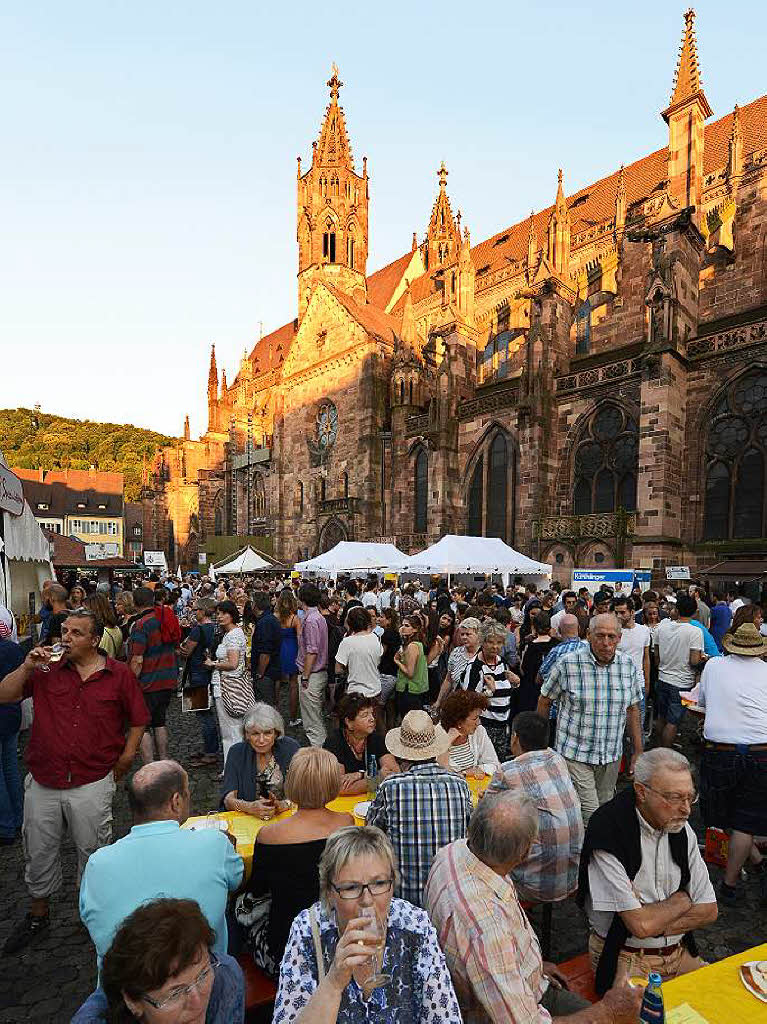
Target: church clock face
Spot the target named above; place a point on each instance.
(327, 426)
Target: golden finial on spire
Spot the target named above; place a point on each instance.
(442, 176)
(334, 82)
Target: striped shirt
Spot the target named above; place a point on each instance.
(500, 701)
(420, 810)
(593, 700)
(461, 757)
(159, 668)
(456, 665)
(491, 949)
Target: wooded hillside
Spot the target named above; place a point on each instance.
(38, 440)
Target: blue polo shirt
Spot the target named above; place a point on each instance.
(154, 860)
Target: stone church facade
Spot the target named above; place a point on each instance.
(589, 384)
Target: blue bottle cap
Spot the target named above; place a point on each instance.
(655, 979)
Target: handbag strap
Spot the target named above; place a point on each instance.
(317, 945)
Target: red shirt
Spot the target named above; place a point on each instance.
(78, 731)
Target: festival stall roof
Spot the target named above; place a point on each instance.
(740, 569)
(456, 555)
(356, 556)
(243, 561)
(25, 559)
(69, 553)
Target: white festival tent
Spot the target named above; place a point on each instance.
(356, 557)
(455, 556)
(243, 561)
(25, 559)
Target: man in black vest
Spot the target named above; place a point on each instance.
(642, 879)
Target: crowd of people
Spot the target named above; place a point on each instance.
(408, 695)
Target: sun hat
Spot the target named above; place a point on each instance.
(416, 739)
(746, 641)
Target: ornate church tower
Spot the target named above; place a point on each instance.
(332, 205)
(212, 391)
(443, 237)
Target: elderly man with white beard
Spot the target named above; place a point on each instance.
(642, 881)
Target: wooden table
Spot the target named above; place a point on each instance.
(245, 828)
(717, 993)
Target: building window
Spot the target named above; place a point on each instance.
(103, 528)
(490, 494)
(300, 501)
(606, 460)
(494, 360)
(136, 531)
(329, 245)
(583, 329)
(345, 485)
(736, 448)
(350, 250)
(421, 491)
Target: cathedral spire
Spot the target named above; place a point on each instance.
(443, 235)
(687, 80)
(558, 233)
(620, 204)
(333, 147)
(735, 146)
(187, 431)
(532, 241)
(213, 373)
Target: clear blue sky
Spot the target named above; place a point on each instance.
(147, 185)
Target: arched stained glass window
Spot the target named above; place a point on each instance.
(497, 488)
(606, 463)
(736, 449)
(475, 499)
(421, 491)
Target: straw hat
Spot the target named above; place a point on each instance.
(746, 640)
(416, 739)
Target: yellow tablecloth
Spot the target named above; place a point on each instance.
(244, 827)
(717, 993)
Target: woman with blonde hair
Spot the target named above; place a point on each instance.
(285, 878)
(286, 610)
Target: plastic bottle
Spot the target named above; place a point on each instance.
(372, 775)
(651, 1011)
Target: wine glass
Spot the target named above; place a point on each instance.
(55, 653)
(377, 930)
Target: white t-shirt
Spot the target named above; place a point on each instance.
(675, 640)
(733, 691)
(556, 619)
(370, 599)
(360, 653)
(634, 641)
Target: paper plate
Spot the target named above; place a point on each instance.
(361, 809)
(749, 978)
(202, 826)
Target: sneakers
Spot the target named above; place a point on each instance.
(25, 933)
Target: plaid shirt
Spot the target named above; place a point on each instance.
(420, 810)
(550, 870)
(491, 949)
(552, 658)
(593, 700)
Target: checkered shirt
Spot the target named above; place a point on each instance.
(593, 700)
(491, 949)
(552, 658)
(550, 870)
(420, 810)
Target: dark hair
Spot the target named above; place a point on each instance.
(502, 615)
(541, 623)
(485, 599)
(143, 800)
(143, 597)
(531, 729)
(392, 615)
(415, 622)
(261, 601)
(158, 938)
(619, 601)
(309, 594)
(350, 705)
(229, 608)
(602, 597)
(459, 705)
(568, 593)
(650, 595)
(357, 619)
(686, 604)
(351, 588)
(746, 613)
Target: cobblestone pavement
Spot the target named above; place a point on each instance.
(47, 982)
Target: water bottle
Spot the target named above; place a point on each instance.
(372, 776)
(651, 1011)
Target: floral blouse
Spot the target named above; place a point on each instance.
(421, 991)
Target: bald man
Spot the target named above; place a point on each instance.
(159, 858)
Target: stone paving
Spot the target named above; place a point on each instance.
(46, 983)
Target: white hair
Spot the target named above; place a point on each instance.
(263, 716)
(604, 615)
(651, 761)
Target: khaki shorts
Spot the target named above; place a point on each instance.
(631, 963)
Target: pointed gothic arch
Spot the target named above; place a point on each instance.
(490, 485)
(332, 533)
(605, 460)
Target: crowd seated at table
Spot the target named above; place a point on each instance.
(356, 741)
(470, 750)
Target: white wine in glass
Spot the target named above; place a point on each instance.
(377, 931)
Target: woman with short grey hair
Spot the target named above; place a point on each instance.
(255, 770)
(336, 970)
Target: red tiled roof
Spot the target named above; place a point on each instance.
(382, 283)
(69, 553)
(272, 350)
(375, 321)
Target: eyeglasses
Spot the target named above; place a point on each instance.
(676, 798)
(354, 890)
(179, 994)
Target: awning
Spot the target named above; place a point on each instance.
(490, 555)
(737, 569)
(356, 556)
(243, 561)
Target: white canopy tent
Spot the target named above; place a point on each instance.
(25, 559)
(356, 558)
(243, 561)
(455, 556)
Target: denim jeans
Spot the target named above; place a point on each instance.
(11, 793)
(209, 730)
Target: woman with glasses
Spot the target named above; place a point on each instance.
(359, 954)
(161, 967)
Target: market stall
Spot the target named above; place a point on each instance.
(455, 555)
(355, 558)
(242, 562)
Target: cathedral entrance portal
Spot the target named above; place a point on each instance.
(330, 535)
